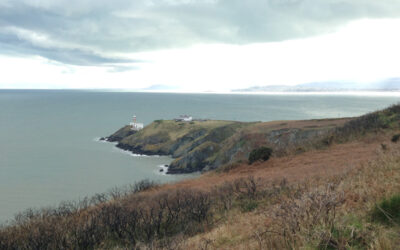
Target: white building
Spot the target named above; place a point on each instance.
(184, 118)
(136, 126)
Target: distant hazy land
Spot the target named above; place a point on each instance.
(392, 84)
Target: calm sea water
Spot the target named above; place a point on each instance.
(49, 151)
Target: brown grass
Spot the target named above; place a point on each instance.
(333, 160)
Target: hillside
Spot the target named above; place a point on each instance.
(339, 191)
(207, 145)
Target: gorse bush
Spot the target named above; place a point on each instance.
(396, 137)
(260, 154)
(388, 210)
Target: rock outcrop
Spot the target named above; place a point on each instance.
(121, 134)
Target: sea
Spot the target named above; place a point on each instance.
(49, 139)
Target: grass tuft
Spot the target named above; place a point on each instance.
(248, 205)
(388, 211)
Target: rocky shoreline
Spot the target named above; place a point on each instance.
(138, 150)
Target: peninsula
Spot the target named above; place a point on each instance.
(203, 145)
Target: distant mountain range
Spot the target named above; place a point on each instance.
(159, 87)
(392, 84)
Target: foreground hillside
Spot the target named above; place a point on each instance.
(339, 191)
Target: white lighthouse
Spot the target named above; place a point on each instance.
(136, 126)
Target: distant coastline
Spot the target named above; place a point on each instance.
(388, 85)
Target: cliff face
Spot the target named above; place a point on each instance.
(120, 134)
(206, 145)
(191, 144)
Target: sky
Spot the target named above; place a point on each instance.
(193, 45)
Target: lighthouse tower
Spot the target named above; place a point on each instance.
(136, 126)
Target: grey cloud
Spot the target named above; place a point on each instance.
(12, 44)
(120, 26)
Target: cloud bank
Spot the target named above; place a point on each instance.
(101, 32)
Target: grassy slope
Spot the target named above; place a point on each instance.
(328, 212)
(175, 130)
(318, 199)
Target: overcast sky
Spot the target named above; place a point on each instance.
(195, 45)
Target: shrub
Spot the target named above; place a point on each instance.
(248, 205)
(143, 185)
(262, 153)
(388, 210)
(372, 122)
(396, 137)
(135, 217)
(344, 237)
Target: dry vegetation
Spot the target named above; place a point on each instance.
(329, 197)
(321, 213)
